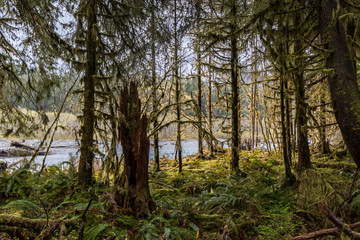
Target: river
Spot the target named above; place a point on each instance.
(61, 150)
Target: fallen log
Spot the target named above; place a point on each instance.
(21, 145)
(323, 232)
(344, 227)
(23, 222)
(19, 152)
(16, 162)
(341, 226)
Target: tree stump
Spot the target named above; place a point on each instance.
(133, 192)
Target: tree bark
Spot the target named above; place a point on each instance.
(135, 193)
(177, 91)
(342, 81)
(199, 84)
(154, 88)
(301, 118)
(288, 174)
(234, 164)
(324, 144)
(211, 147)
(87, 128)
(288, 120)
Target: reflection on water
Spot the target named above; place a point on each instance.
(61, 150)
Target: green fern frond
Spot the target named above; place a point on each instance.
(95, 231)
(24, 205)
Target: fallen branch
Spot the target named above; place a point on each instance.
(16, 162)
(330, 231)
(23, 222)
(344, 227)
(323, 232)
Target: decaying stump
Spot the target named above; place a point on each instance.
(134, 191)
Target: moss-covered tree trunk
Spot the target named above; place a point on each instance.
(234, 164)
(324, 143)
(301, 118)
(199, 84)
(343, 85)
(301, 123)
(135, 193)
(288, 125)
(87, 128)
(289, 177)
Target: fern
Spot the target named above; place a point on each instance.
(24, 205)
(222, 201)
(149, 232)
(95, 231)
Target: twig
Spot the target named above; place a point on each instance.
(46, 212)
(83, 217)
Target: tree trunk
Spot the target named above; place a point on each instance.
(211, 147)
(135, 193)
(287, 119)
(234, 164)
(253, 111)
(288, 175)
(301, 119)
(301, 124)
(199, 84)
(154, 88)
(324, 144)
(177, 91)
(200, 133)
(344, 89)
(87, 128)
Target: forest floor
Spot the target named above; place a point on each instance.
(203, 202)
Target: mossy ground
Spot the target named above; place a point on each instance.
(202, 202)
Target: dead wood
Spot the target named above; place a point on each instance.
(134, 192)
(13, 232)
(323, 232)
(23, 222)
(16, 162)
(347, 229)
(21, 145)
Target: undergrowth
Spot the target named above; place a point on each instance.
(202, 202)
